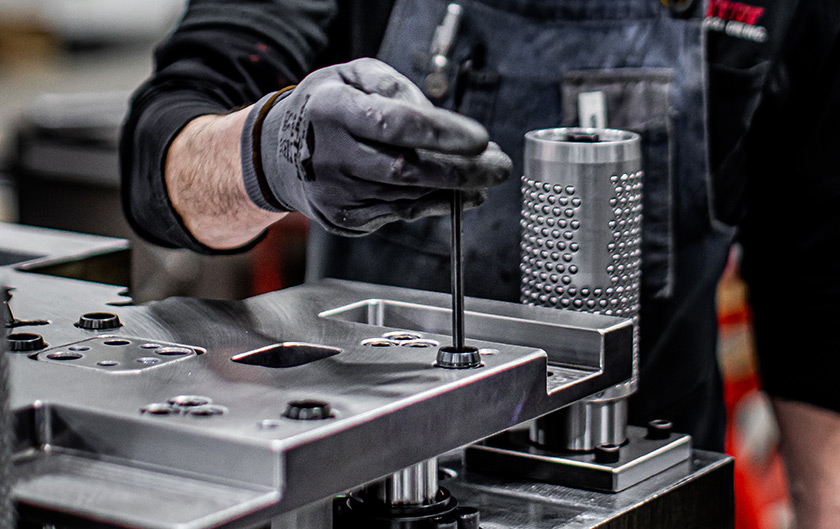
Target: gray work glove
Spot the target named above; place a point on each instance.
(357, 145)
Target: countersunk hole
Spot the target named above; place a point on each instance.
(99, 315)
(307, 410)
(64, 355)
(209, 410)
(97, 321)
(108, 363)
(190, 401)
(117, 342)
(173, 351)
(420, 343)
(378, 342)
(79, 348)
(148, 361)
(158, 408)
(269, 424)
(487, 352)
(25, 341)
(150, 346)
(401, 336)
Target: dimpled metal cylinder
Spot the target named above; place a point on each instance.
(581, 244)
(581, 220)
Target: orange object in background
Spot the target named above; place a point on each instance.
(761, 494)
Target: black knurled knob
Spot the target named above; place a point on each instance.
(450, 358)
(24, 342)
(97, 321)
(659, 430)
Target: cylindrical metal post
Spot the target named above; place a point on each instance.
(581, 250)
(583, 425)
(414, 485)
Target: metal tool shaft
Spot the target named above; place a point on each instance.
(457, 258)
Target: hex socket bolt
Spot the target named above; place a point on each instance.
(659, 430)
(607, 453)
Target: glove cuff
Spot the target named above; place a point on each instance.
(256, 183)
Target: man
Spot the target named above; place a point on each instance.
(356, 146)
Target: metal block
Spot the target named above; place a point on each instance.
(512, 454)
(695, 494)
(233, 443)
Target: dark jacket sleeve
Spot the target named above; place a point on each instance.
(223, 55)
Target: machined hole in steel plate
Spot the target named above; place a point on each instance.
(158, 408)
(208, 410)
(99, 321)
(24, 342)
(401, 336)
(284, 355)
(379, 342)
(173, 351)
(65, 356)
(118, 354)
(308, 410)
(190, 401)
(420, 344)
(148, 361)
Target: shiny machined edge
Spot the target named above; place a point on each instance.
(394, 388)
(552, 146)
(511, 454)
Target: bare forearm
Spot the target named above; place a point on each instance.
(204, 181)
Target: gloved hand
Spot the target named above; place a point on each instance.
(357, 145)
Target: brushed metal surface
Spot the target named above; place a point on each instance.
(391, 408)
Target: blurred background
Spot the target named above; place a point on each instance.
(67, 68)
